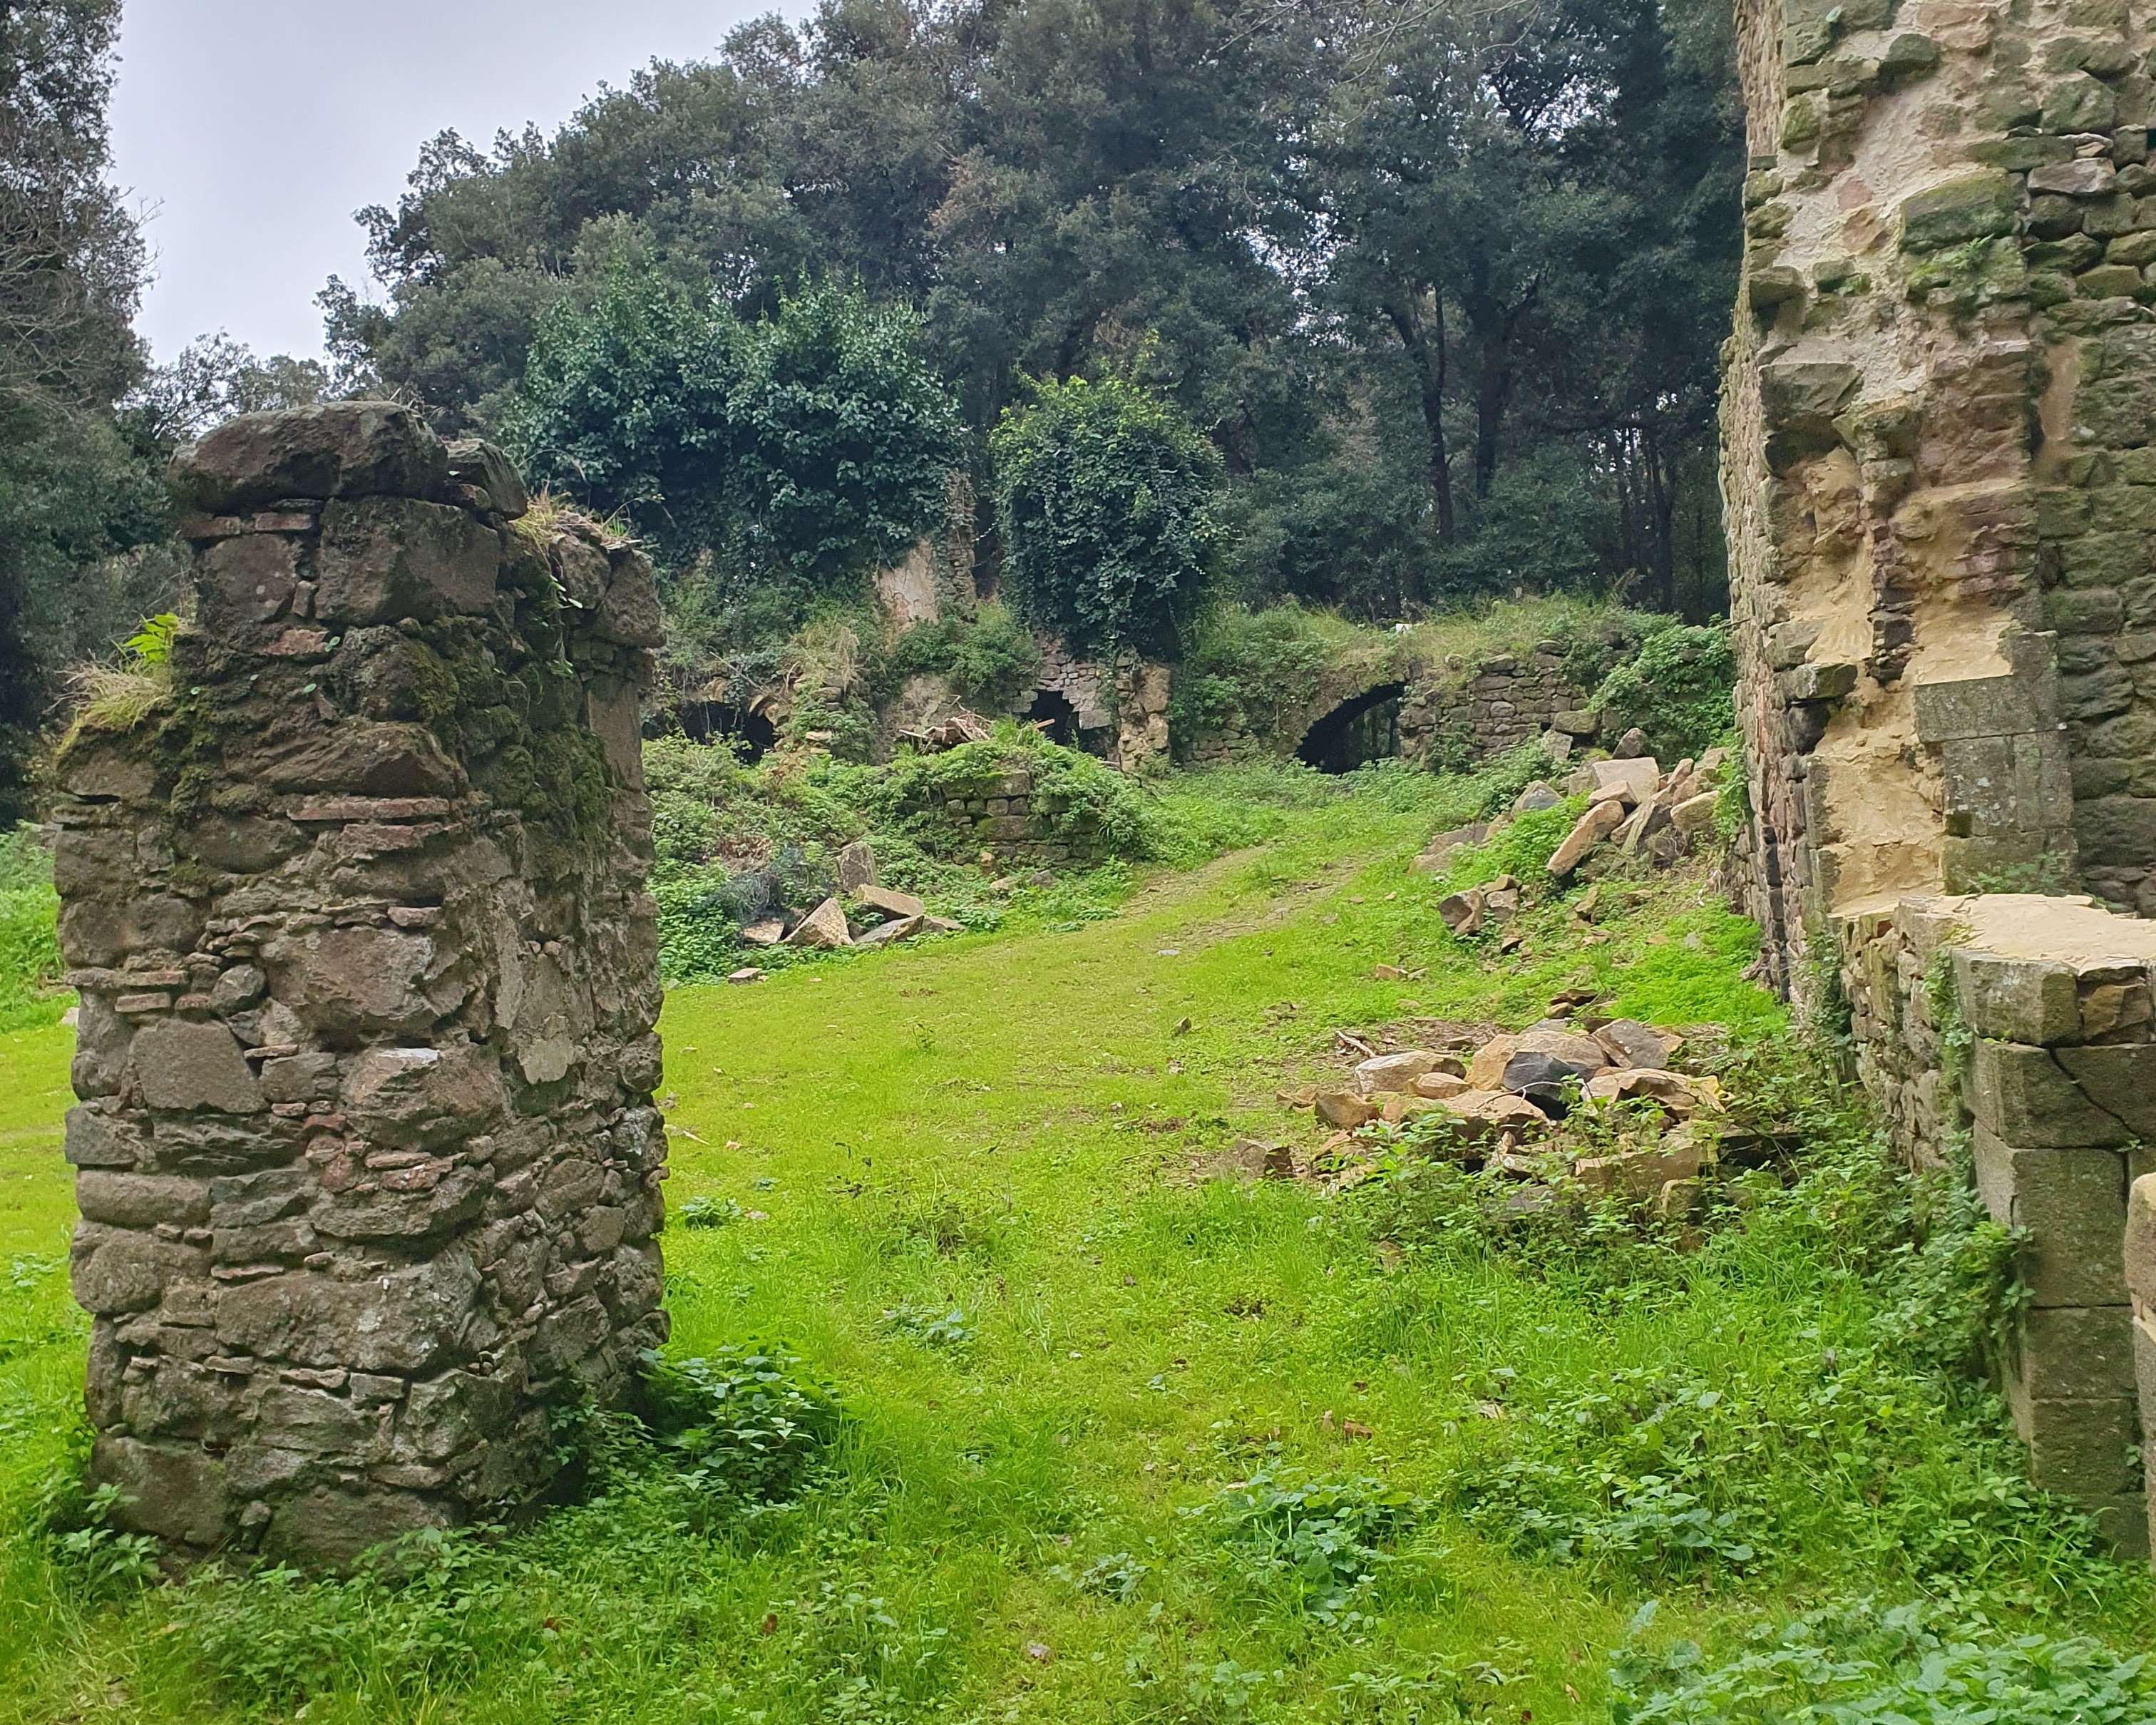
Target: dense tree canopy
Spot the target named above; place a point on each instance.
(1442, 286)
(76, 494)
(802, 447)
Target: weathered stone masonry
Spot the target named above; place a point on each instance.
(368, 1166)
(1939, 431)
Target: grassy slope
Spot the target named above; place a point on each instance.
(966, 1125)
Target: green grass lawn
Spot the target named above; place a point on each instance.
(1087, 1389)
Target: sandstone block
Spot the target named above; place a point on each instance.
(629, 615)
(2140, 1250)
(474, 461)
(369, 759)
(2072, 1204)
(326, 1528)
(421, 1318)
(821, 928)
(246, 580)
(176, 1492)
(2118, 1078)
(385, 557)
(1975, 207)
(117, 1270)
(357, 981)
(2072, 1353)
(1601, 819)
(420, 1098)
(2022, 1096)
(1385, 1074)
(2083, 1449)
(92, 1142)
(857, 867)
(338, 449)
(140, 1200)
(2026, 1000)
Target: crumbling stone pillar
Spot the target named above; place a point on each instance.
(1939, 473)
(368, 1165)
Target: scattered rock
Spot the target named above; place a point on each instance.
(885, 934)
(823, 928)
(1391, 1072)
(1462, 911)
(857, 868)
(1486, 1071)
(1338, 1109)
(1536, 798)
(768, 933)
(747, 973)
(1501, 899)
(1640, 776)
(1436, 853)
(1439, 1086)
(1694, 814)
(1627, 1042)
(1642, 1173)
(1631, 746)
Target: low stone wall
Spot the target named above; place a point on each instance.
(1001, 812)
(368, 1167)
(1475, 713)
(2027, 1022)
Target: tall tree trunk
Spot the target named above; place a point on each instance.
(1494, 324)
(1426, 353)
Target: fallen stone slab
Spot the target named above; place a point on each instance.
(767, 932)
(823, 928)
(890, 903)
(885, 934)
(1629, 1044)
(1640, 775)
(1462, 911)
(1590, 830)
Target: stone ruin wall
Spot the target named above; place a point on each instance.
(368, 1166)
(1939, 482)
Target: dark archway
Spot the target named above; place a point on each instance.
(750, 732)
(1052, 711)
(1358, 731)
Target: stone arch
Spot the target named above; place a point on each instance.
(1353, 731)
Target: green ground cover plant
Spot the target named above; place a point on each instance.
(29, 954)
(1031, 1415)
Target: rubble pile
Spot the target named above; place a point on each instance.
(1637, 816)
(1588, 1097)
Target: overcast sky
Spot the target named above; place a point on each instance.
(247, 132)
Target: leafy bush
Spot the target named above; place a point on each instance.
(1106, 497)
(1314, 1546)
(989, 661)
(748, 1426)
(1908, 1665)
(1678, 690)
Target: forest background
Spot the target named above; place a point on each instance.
(1440, 287)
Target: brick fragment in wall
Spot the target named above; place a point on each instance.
(316, 1080)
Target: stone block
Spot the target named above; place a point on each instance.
(474, 461)
(2025, 1000)
(1975, 207)
(140, 1200)
(2118, 1078)
(2139, 1234)
(327, 1528)
(176, 1492)
(2072, 1204)
(383, 559)
(2081, 1449)
(420, 1098)
(347, 982)
(2023, 1096)
(2116, 831)
(629, 615)
(338, 449)
(119, 1270)
(181, 1065)
(2071, 1353)
(423, 1317)
(246, 580)
(1981, 706)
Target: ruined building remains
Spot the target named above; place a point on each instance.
(368, 1163)
(1939, 418)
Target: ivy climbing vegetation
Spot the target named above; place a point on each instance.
(1106, 495)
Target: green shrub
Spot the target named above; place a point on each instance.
(1258, 669)
(1907, 1665)
(1678, 690)
(748, 1425)
(1313, 1547)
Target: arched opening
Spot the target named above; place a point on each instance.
(1052, 711)
(750, 732)
(1356, 732)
